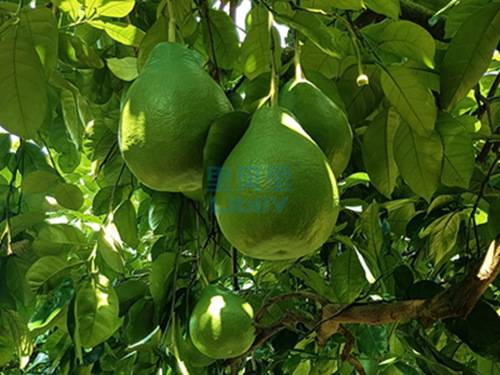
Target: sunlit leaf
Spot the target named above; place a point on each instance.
(109, 245)
(60, 240)
(255, 50)
(38, 182)
(121, 32)
(347, 276)
(69, 196)
(126, 222)
(442, 236)
(125, 68)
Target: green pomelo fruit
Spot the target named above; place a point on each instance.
(165, 119)
(322, 119)
(221, 324)
(188, 352)
(276, 195)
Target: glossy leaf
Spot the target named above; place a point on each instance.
(469, 54)
(48, 272)
(407, 39)
(347, 276)
(372, 340)
(23, 92)
(458, 152)
(125, 68)
(411, 98)
(59, 240)
(220, 39)
(378, 151)
(109, 245)
(419, 160)
(390, 8)
(121, 32)
(126, 222)
(96, 309)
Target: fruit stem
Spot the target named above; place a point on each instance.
(274, 75)
(171, 23)
(296, 59)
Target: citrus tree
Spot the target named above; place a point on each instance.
(381, 118)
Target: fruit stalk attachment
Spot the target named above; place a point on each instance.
(273, 93)
(296, 59)
(171, 23)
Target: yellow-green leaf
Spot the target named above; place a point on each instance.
(121, 32)
(69, 196)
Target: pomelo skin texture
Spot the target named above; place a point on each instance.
(276, 196)
(322, 119)
(221, 324)
(165, 119)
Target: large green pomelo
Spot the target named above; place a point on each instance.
(165, 119)
(322, 119)
(276, 194)
(221, 324)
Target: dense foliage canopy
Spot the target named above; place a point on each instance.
(99, 273)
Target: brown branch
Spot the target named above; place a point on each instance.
(258, 316)
(346, 352)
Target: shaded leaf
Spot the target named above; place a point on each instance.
(347, 276)
(442, 235)
(48, 272)
(159, 281)
(378, 151)
(255, 49)
(109, 245)
(73, 51)
(59, 240)
(16, 279)
(469, 54)
(390, 8)
(372, 340)
(125, 68)
(372, 230)
(419, 159)
(69, 196)
(458, 152)
(23, 92)
(20, 335)
(38, 182)
(126, 223)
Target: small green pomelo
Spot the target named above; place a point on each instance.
(322, 119)
(276, 196)
(221, 324)
(165, 119)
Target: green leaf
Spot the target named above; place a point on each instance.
(325, 38)
(129, 292)
(125, 68)
(255, 50)
(112, 8)
(164, 211)
(109, 245)
(407, 39)
(69, 196)
(96, 310)
(51, 307)
(223, 135)
(156, 34)
(102, 200)
(378, 151)
(458, 155)
(38, 182)
(360, 102)
(74, 52)
(221, 39)
(16, 279)
(39, 26)
(400, 217)
(411, 98)
(459, 14)
(327, 5)
(72, 7)
(23, 91)
(159, 282)
(7, 345)
(469, 54)
(372, 340)
(48, 272)
(20, 335)
(314, 58)
(371, 229)
(59, 240)
(390, 8)
(442, 235)
(419, 159)
(71, 119)
(121, 32)
(22, 222)
(126, 222)
(485, 366)
(347, 276)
